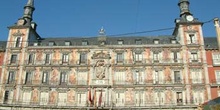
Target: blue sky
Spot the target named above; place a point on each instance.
(83, 18)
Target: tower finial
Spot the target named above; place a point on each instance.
(102, 32)
(28, 11)
(184, 7)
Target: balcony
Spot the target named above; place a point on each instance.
(197, 61)
(215, 82)
(44, 104)
(197, 81)
(50, 83)
(149, 62)
(13, 62)
(171, 82)
(55, 62)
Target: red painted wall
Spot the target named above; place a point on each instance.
(211, 73)
(1, 62)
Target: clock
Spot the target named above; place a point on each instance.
(189, 18)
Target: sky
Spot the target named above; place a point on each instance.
(84, 18)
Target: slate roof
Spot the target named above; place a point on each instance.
(2, 45)
(131, 40)
(211, 43)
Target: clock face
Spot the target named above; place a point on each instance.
(189, 18)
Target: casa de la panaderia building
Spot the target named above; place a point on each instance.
(103, 72)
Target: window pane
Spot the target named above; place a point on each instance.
(13, 58)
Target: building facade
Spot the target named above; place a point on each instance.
(163, 72)
(213, 61)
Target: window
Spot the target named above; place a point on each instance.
(216, 59)
(139, 78)
(120, 42)
(156, 41)
(51, 43)
(138, 57)
(173, 41)
(192, 38)
(18, 42)
(175, 58)
(156, 57)
(179, 98)
(219, 93)
(45, 77)
(196, 76)
(11, 77)
(63, 77)
(28, 78)
(6, 97)
(67, 43)
(138, 42)
(65, 58)
(13, 58)
(84, 43)
(177, 77)
(194, 57)
(198, 97)
(217, 74)
(31, 58)
(47, 59)
(120, 98)
(119, 77)
(119, 57)
(156, 77)
(82, 58)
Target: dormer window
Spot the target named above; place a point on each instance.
(84, 43)
(156, 41)
(67, 43)
(173, 41)
(51, 43)
(138, 42)
(35, 44)
(120, 42)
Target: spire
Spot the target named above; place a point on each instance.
(184, 7)
(28, 11)
(102, 32)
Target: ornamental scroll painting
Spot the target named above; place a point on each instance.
(100, 69)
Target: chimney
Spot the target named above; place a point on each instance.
(216, 22)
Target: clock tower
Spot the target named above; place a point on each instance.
(21, 35)
(188, 32)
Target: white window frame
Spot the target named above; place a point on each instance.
(18, 42)
(65, 58)
(217, 76)
(196, 75)
(138, 57)
(194, 56)
(119, 77)
(120, 57)
(28, 77)
(45, 77)
(216, 59)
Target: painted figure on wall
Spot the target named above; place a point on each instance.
(149, 78)
(54, 76)
(169, 96)
(35, 96)
(39, 56)
(70, 97)
(100, 69)
(56, 57)
(168, 78)
(166, 55)
(149, 95)
(129, 76)
(53, 97)
(72, 77)
(36, 78)
(129, 97)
